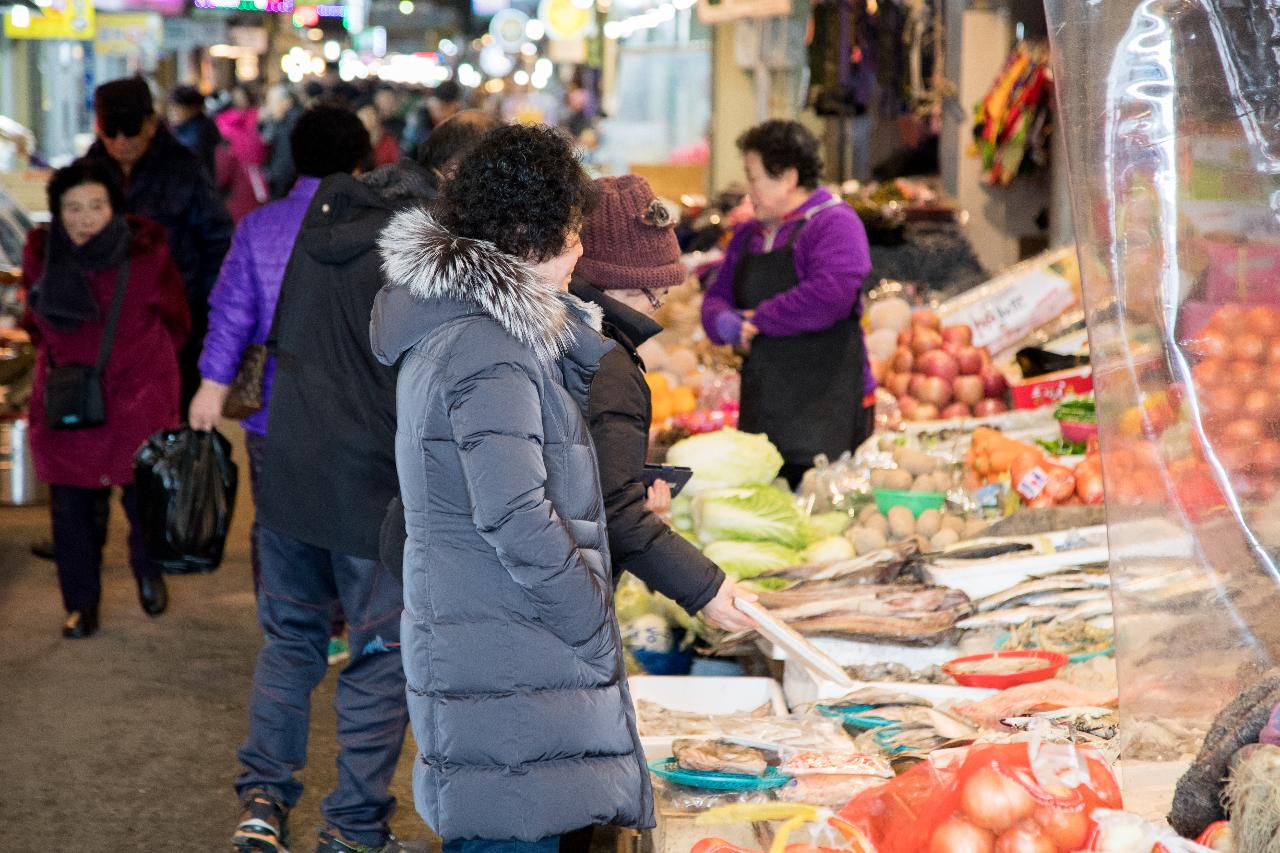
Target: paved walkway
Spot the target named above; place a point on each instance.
(126, 742)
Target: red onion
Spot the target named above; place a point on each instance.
(968, 389)
(938, 363)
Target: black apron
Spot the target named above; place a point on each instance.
(804, 391)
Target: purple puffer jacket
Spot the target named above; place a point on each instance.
(243, 301)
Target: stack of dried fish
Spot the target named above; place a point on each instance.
(884, 566)
(800, 733)
(1097, 727)
(1068, 596)
(915, 615)
(899, 724)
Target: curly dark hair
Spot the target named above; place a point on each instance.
(785, 145)
(329, 139)
(86, 170)
(521, 188)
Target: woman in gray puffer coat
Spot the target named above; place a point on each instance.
(516, 684)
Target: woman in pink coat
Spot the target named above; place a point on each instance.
(238, 163)
(73, 266)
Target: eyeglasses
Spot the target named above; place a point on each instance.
(113, 126)
(654, 299)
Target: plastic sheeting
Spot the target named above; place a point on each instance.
(1173, 135)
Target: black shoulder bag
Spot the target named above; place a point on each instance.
(73, 397)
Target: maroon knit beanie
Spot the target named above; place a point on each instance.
(629, 241)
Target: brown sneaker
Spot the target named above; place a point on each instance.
(264, 824)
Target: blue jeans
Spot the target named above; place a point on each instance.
(480, 845)
(300, 587)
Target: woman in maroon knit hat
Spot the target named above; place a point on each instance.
(630, 259)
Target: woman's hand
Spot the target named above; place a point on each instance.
(659, 502)
(722, 611)
(206, 405)
(749, 331)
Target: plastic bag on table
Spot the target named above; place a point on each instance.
(829, 778)
(1011, 796)
(689, 799)
(803, 829)
(1121, 832)
(186, 484)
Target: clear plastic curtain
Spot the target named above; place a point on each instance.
(1171, 115)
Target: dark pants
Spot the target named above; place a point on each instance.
(189, 353)
(301, 586)
(480, 845)
(79, 532)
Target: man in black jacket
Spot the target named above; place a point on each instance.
(192, 126)
(328, 472)
(164, 182)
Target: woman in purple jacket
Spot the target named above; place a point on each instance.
(326, 140)
(789, 291)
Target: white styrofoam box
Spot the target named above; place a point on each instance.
(703, 695)
(801, 686)
(853, 652)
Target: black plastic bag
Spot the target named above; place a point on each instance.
(186, 485)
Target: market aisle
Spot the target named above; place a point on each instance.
(127, 740)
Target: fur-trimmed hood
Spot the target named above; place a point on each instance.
(425, 263)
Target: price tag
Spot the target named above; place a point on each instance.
(1033, 483)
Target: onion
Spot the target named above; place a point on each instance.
(956, 410)
(903, 360)
(957, 835)
(1208, 372)
(1242, 374)
(1242, 432)
(962, 335)
(1273, 351)
(1025, 838)
(1228, 319)
(926, 412)
(1248, 347)
(938, 363)
(994, 384)
(897, 383)
(928, 319)
(1222, 400)
(1210, 343)
(917, 382)
(924, 340)
(988, 407)
(1268, 456)
(968, 389)
(970, 360)
(1068, 829)
(994, 801)
(1259, 403)
(1263, 321)
(908, 406)
(935, 390)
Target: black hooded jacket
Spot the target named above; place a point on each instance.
(620, 409)
(330, 465)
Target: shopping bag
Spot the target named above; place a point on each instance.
(186, 486)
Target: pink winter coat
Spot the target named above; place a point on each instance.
(141, 384)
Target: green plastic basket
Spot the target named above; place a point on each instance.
(917, 502)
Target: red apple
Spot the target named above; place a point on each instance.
(935, 390)
(902, 360)
(994, 384)
(916, 383)
(928, 319)
(924, 340)
(970, 361)
(926, 412)
(897, 383)
(908, 407)
(968, 389)
(988, 407)
(956, 410)
(962, 335)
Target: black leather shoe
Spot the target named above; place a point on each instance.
(81, 624)
(154, 595)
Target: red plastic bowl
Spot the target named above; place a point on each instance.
(1077, 431)
(1053, 661)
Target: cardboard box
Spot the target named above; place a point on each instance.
(1051, 388)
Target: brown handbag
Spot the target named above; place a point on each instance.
(245, 395)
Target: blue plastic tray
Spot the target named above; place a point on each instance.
(855, 716)
(669, 769)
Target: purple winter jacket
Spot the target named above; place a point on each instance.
(243, 301)
(832, 261)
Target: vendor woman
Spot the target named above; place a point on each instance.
(788, 292)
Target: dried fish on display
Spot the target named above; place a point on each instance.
(1026, 699)
(1041, 586)
(878, 567)
(715, 756)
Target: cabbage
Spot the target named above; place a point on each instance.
(826, 524)
(726, 458)
(762, 514)
(829, 550)
(748, 559)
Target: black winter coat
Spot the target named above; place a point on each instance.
(170, 186)
(329, 469)
(517, 686)
(619, 415)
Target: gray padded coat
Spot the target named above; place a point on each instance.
(516, 683)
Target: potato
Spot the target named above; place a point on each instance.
(929, 523)
(942, 481)
(900, 480)
(953, 522)
(902, 523)
(868, 511)
(916, 462)
(975, 527)
(879, 478)
(944, 539)
(865, 540)
(877, 522)
(924, 483)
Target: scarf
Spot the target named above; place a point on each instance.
(63, 296)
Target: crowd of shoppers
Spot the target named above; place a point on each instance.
(450, 452)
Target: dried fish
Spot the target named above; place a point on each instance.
(1050, 584)
(1071, 598)
(1009, 617)
(877, 567)
(867, 697)
(718, 757)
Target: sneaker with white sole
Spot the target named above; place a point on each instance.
(331, 842)
(264, 824)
